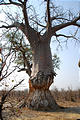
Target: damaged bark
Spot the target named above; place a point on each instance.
(40, 97)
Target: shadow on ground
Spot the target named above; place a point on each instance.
(72, 110)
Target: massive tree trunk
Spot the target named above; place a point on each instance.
(42, 76)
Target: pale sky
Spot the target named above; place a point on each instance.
(69, 73)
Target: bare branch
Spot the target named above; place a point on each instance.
(26, 63)
(20, 1)
(7, 66)
(15, 86)
(20, 26)
(62, 35)
(10, 26)
(25, 14)
(6, 94)
(76, 24)
(61, 26)
(9, 15)
(38, 23)
(24, 69)
(13, 3)
(48, 14)
(59, 18)
(6, 75)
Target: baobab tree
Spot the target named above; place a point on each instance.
(23, 53)
(39, 34)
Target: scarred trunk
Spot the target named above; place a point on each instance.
(41, 78)
(42, 60)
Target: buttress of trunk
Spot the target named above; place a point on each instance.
(42, 76)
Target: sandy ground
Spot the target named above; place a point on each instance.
(72, 112)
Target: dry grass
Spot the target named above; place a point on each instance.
(71, 103)
(72, 113)
(35, 115)
(51, 116)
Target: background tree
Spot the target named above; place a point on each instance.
(39, 33)
(6, 60)
(21, 50)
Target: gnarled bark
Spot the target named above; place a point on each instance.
(40, 97)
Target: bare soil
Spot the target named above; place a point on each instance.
(71, 112)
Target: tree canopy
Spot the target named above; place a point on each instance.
(53, 18)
